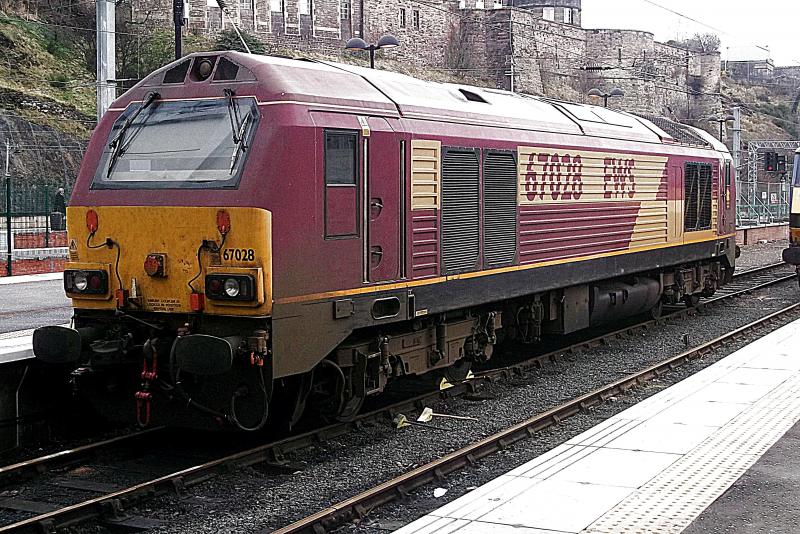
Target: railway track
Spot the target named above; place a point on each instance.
(110, 505)
(357, 507)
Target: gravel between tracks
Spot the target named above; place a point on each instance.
(253, 499)
(760, 254)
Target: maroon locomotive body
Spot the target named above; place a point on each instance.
(372, 225)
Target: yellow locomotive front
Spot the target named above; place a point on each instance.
(190, 259)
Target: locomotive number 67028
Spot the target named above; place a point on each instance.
(239, 254)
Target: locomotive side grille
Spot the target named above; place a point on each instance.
(460, 210)
(500, 208)
(698, 186)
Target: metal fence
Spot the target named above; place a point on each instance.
(762, 202)
(763, 196)
(33, 222)
(32, 216)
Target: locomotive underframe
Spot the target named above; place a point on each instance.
(119, 349)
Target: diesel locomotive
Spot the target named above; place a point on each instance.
(251, 237)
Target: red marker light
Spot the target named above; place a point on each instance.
(92, 221)
(223, 222)
(215, 286)
(95, 282)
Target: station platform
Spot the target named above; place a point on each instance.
(30, 301)
(16, 346)
(662, 465)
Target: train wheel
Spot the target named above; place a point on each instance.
(333, 395)
(691, 301)
(459, 371)
(350, 409)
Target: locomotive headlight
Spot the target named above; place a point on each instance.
(232, 288)
(80, 281)
(85, 282)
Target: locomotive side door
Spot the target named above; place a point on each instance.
(382, 205)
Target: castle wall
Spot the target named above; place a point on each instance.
(491, 44)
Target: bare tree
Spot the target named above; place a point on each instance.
(706, 43)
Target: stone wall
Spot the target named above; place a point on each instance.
(655, 77)
(561, 53)
(495, 42)
(561, 9)
(563, 61)
(425, 36)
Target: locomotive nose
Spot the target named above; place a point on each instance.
(215, 260)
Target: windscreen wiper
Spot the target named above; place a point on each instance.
(233, 115)
(239, 140)
(238, 128)
(116, 144)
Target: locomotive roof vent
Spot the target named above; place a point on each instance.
(177, 74)
(679, 132)
(472, 96)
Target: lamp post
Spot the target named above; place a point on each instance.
(605, 96)
(177, 20)
(721, 119)
(386, 41)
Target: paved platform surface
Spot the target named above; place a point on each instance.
(16, 346)
(661, 465)
(28, 302)
(765, 500)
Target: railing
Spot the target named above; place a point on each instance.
(32, 228)
(768, 203)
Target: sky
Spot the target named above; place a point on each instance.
(754, 29)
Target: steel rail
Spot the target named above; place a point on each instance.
(37, 466)
(360, 505)
(275, 452)
(176, 482)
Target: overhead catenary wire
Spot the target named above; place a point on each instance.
(687, 17)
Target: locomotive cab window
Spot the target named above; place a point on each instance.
(341, 158)
(341, 184)
(698, 185)
(183, 144)
(727, 174)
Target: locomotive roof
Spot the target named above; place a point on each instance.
(385, 92)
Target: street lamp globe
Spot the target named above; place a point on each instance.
(388, 41)
(356, 43)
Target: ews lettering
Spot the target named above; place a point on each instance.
(557, 177)
(619, 180)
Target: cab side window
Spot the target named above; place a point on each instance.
(340, 158)
(341, 183)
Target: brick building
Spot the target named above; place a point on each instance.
(534, 46)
